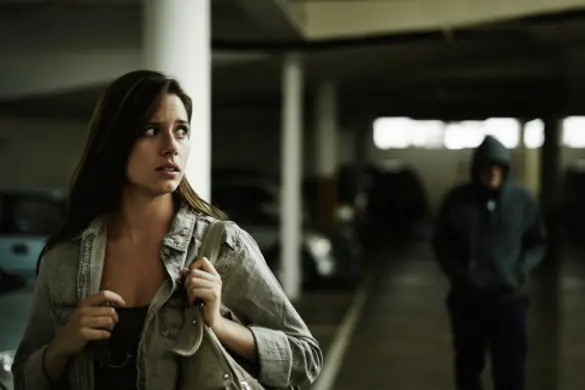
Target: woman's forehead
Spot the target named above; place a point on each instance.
(170, 107)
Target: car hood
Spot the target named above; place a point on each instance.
(14, 307)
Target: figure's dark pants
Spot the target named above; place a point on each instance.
(480, 325)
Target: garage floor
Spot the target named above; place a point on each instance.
(401, 338)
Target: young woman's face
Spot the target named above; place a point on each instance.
(158, 159)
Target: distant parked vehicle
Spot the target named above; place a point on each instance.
(253, 203)
(27, 218)
(397, 203)
(15, 301)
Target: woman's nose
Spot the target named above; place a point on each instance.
(169, 147)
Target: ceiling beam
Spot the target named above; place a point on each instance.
(272, 17)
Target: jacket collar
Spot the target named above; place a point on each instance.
(177, 238)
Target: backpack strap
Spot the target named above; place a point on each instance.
(190, 336)
(212, 241)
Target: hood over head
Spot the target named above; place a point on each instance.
(489, 152)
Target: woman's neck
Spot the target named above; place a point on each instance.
(143, 219)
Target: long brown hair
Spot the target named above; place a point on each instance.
(117, 122)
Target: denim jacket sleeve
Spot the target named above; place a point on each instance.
(28, 369)
(288, 353)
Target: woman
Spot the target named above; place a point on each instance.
(112, 283)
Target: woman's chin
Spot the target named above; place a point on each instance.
(163, 188)
(167, 188)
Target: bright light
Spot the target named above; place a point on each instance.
(534, 134)
(505, 130)
(427, 134)
(6, 360)
(574, 132)
(319, 245)
(402, 133)
(392, 133)
(463, 135)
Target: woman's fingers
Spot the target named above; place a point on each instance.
(102, 298)
(197, 273)
(100, 311)
(205, 265)
(192, 283)
(98, 323)
(95, 334)
(202, 282)
(207, 295)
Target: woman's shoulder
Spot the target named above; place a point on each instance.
(232, 231)
(61, 257)
(58, 271)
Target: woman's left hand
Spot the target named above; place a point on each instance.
(202, 281)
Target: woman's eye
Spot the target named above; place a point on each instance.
(183, 131)
(149, 131)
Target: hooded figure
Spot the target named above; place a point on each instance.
(489, 236)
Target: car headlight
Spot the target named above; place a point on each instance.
(345, 213)
(319, 246)
(6, 360)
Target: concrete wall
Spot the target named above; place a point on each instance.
(43, 152)
(40, 152)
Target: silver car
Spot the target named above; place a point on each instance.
(27, 218)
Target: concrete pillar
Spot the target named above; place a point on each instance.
(326, 145)
(362, 128)
(529, 159)
(547, 275)
(177, 41)
(362, 133)
(550, 168)
(291, 201)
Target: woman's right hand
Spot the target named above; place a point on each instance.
(93, 320)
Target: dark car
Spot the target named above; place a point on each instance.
(27, 218)
(397, 203)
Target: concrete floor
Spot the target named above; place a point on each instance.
(402, 339)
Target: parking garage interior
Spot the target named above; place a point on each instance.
(368, 113)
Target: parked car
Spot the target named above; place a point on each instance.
(15, 301)
(27, 218)
(347, 222)
(253, 203)
(397, 204)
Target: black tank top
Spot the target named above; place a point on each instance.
(115, 363)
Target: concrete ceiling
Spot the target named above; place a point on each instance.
(319, 19)
(82, 43)
(523, 67)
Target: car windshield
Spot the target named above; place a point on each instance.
(30, 214)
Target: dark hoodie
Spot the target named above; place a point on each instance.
(489, 240)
